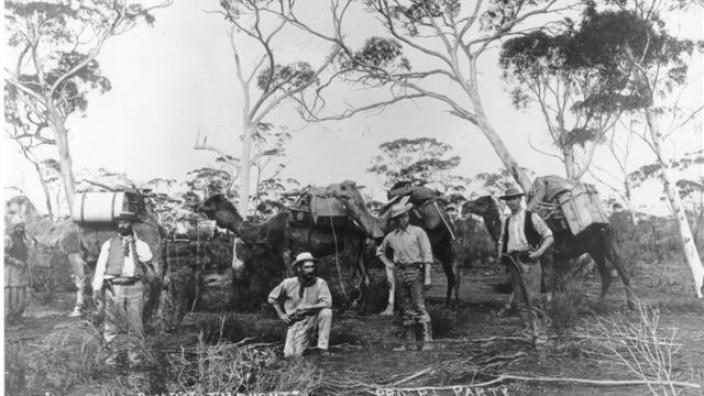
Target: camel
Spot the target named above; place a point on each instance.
(447, 247)
(278, 239)
(597, 241)
(81, 244)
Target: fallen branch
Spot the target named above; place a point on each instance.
(410, 377)
(509, 377)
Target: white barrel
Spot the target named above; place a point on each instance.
(99, 207)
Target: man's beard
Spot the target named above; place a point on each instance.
(125, 231)
(305, 280)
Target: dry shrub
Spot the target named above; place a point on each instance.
(639, 346)
(298, 375)
(223, 367)
(65, 357)
(227, 367)
(565, 308)
(442, 321)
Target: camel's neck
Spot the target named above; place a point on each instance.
(229, 219)
(372, 225)
(493, 225)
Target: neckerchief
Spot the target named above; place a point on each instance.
(302, 284)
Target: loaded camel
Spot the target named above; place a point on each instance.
(597, 241)
(81, 244)
(280, 238)
(446, 246)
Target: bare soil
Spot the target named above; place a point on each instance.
(474, 345)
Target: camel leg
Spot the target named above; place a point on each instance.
(452, 283)
(600, 261)
(389, 311)
(78, 269)
(457, 269)
(613, 255)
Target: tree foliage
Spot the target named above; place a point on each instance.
(418, 161)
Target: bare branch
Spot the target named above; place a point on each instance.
(226, 157)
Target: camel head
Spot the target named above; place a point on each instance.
(220, 209)
(348, 193)
(487, 208)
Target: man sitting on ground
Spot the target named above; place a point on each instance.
(306, 305)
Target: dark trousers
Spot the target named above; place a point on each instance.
(525, 279)
(410, 294)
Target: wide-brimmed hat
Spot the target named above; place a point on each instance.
(399, 209)
(126, 216)
(303, 257)
(512, 192)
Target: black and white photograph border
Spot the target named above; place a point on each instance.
(353, 197)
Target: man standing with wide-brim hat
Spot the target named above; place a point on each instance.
(524, 239)
(307, 305)
(123, 270)
(412, 258)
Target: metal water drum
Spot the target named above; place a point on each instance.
(100, 207)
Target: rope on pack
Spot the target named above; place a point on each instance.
(337, 258)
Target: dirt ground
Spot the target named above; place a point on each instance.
(473, 344)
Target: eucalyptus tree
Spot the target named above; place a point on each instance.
(446, 38)
(56, 44)
(266, 83)
(636, 48)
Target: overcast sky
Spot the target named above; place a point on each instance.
(178, 77)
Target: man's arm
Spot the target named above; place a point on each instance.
(381, 252)
(427, 254)
(275, 300)
(100, 267)
(500, 242)
(145, 256)
(546, 236)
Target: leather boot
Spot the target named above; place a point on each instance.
(410, 339)
(426, 337)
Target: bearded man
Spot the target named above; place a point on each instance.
(307, 304)
(123, 269)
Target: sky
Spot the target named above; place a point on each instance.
(176, 78)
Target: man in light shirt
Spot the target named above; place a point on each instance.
(412, 259)
(122, 270)
(307, 305)
(524, 239)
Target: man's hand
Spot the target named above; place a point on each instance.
(426, 283)
(285, 318)
(533, 256)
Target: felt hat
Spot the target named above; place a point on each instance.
(399, 209)
(303, 257)
(126, 216)
(512, 192)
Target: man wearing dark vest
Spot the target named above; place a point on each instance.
(524, 239)
(123, 267)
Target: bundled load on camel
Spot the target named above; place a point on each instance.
(566, 204)
(105, 206)
(313, 206)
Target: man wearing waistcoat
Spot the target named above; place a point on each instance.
(412, 260)
(122, 271)
(524, 239)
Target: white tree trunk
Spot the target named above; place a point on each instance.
(65, 161)
(498, 144)
(245, 169)
(688, 247)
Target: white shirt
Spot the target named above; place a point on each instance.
(517, 240)
(144, 254)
